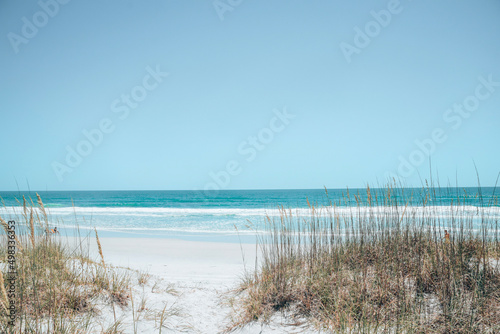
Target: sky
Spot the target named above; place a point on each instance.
(239, 94)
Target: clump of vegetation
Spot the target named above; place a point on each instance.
(385, 264)
(57, 284)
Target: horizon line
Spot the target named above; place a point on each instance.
(248, 189)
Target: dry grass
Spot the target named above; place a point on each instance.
(57, 285)
(382, 265)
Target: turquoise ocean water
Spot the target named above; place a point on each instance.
(217, 215)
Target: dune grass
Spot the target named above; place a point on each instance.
(384, 265)
(57, 284)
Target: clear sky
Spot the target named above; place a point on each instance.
(240, 94)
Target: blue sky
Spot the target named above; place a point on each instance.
(423, 83)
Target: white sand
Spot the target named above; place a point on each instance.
(201, 273)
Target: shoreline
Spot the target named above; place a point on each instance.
(214, 237)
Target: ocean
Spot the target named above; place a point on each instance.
(226, 215)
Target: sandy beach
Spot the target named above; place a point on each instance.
(389, 273)
(193, 279)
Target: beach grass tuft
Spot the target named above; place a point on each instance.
(57, 285)
(390, 263)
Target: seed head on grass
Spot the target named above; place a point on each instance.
(45, 217)
(32, 229)
(99, 246)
